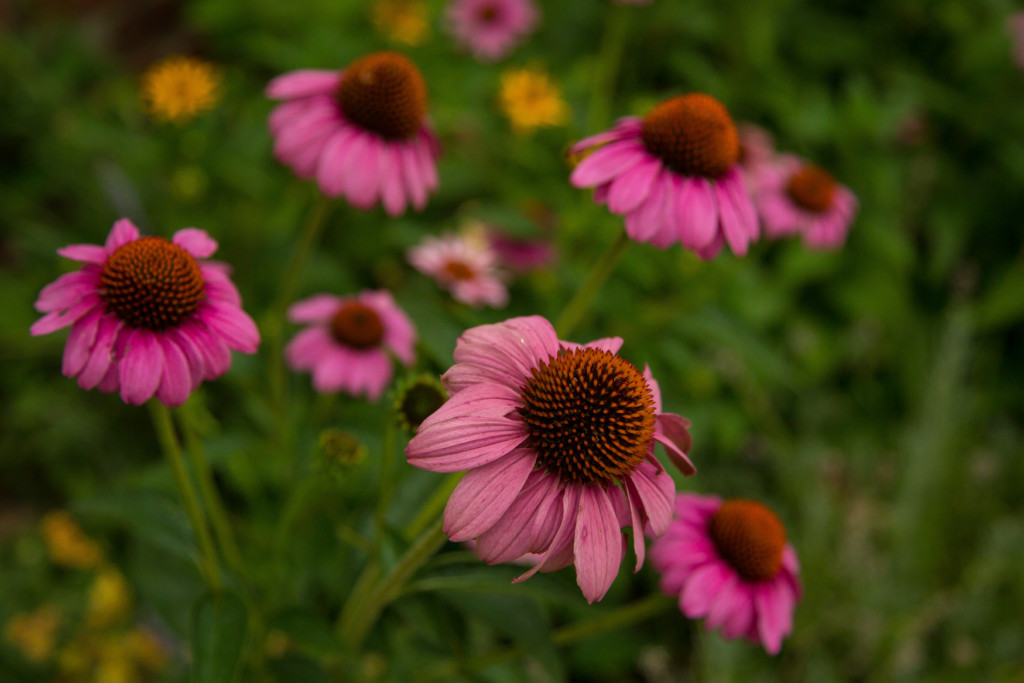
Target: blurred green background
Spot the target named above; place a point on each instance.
(872, 396)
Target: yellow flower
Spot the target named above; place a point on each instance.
(179, 88)
(110, 599)
(146, 650)
(402, 21)
(66, 543)
(531, 100)
(34, 633)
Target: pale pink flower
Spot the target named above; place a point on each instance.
(558, 440)
(674, 176)
(491, 28)
(798, 197)
(148, 316)
(464, 267)
(361, 132)
(519, 254)
(730, 564)
(347, 344)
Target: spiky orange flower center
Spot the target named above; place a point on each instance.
(811, 188)
(693, 135)
(152, 283)
(590, 415)
(457, 270)
(750, 537)
(357, 326)
(384, 93)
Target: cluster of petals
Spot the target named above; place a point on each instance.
(105, 352)
(490, 29)
(710, 588)
(821, 228)
(662, 206)
(363, 369)
(464, 267)
(509, 505)
(315, 139)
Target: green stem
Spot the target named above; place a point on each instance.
(209, 564)
(577, 306)
(356, 624)
(613, 44)
(610, 621)
(387, 470)
(433, 507)
(208, 490)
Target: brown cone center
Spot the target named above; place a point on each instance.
(811, 188)
(152, 283)
(750, 537)
(384, 93)
(457, 270)
(357, 326)
(693, 135)
(590, 415)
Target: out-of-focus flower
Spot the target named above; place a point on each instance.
(417, 399)
(401, 21)
(632, 2)
(798, 197)
(519, 254)
(558, 440)
(66, 543)
(147, 315)
(757, 150)
(1016, 26)
(180, 88)
(464, 267)
(110, 599)
(348, 340)
(730, 564)
(362, 132)
(674, 175)
(34, 633)
(531, 100)
(491, 28)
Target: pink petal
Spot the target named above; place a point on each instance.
(193, 355)
(362, 174)
(59, 319)
(598, 543)
(647, 219)
(656, 492)
(563, 536)
(315, 309)
(86, 253)
(736, 233)
(628, 190)
(302, 83)
(100, 357)
(79, 344)
(509, 537)
(636, 523)
(176, 382)
(725, 601)
(464, 443)
(426, 148)
(608, 162)
(672, 434)
(67, 290)
(774, 611)
(195, 241)
(411, 176)
(123, 232)
(700, 590)
(330, 170)
(307, 347)
(141, 367)
(741, 618)
(485, 494)
(698, 217)
(505, 352)
(391, 192)
(233, 326)
(284, 115)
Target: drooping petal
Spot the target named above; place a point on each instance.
(176, 380)
(141, 367)
(700, 590)
(484, 495)
(598, 543)
(100, 356)
(80, 342)
(606, 163)
(509, 537)
(655, 492)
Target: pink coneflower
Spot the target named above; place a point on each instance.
(491, 28)
(147, 316)
(757, 151)
(361, 132)
(673, 175)
(799, 197)
(730, 562)
(558, 440)
(348, 340)
(464, 267)
(519, 254)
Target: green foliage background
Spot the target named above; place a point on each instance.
(872, 396)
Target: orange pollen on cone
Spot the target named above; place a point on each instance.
(590, 416)
(812, 188)
(357, 326)
(693, 135)
(750, 537)
(384, 93)
(457, 270)
(152, 283)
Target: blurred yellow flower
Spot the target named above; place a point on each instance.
(145, 649)
(34, 633)
(531, 100)
(179, 88)
(66, 544)
(110, 599)
(401, 21)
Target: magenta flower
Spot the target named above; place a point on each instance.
(519, 254)
(348, 340)
(463, 267)
(491, 28)
(799, 197)
(673, 175)
(730, 563)
(147, 316)
(558, 440)
(757, 152)
(362, 132)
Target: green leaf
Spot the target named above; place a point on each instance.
(219, 626)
